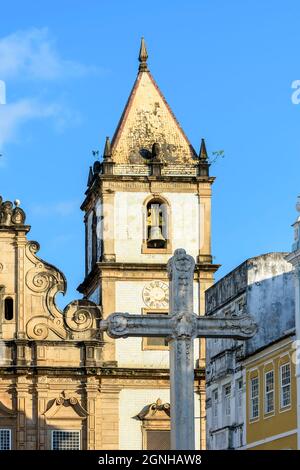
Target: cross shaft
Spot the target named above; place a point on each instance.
(181, 326)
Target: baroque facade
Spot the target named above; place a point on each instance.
(246, 381)
(62, 383)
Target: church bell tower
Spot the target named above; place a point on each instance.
(149, 195)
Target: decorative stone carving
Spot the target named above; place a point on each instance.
(79, 318)
(65, 400)
(10, 215)
(157, 410)
(78, 315)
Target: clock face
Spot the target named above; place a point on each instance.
(156, 294)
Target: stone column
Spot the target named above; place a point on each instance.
(108, 201)
(91, 388)
(108, 420)
(182, 393)
(21, 398)
(20, 284)
(41, 405)
(204, 195)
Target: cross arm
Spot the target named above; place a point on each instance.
(122, 325)
(242, 327)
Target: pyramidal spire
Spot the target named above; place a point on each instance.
(203, 151)
(143, 56)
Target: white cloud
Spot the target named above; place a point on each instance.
(14, 115)
(32, 54)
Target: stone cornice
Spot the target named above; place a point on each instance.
(142, 271)
(105, 372)
(132, 183)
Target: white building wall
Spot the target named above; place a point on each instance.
(217, 437)
(132, 401)
(129, 225)
(129, 353)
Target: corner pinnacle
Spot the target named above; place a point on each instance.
(107, 149)
(203, 151)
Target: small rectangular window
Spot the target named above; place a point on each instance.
(254, 398)
(5, 439)
(269, 391)
(227, 395)
(215, 398)
(158, 440)
(239, 393)
(65, 440)
(285, 388)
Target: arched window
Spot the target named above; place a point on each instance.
(8, 308)
(156, 224)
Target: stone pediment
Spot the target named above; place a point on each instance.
(155, 411)
(65, 407)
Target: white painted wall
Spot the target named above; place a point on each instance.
(129, 225)
(129, 351)
(132, 401)
(235, 416)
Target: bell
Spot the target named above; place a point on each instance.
(156, 239)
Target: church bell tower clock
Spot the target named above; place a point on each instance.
(150, 195)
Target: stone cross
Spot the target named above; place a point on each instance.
(181, 326)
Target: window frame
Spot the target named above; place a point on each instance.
(77, 431)
(267, 393)
(215, 407)
(252, 417)
(227, 400)
(287, 406)
(10, 438)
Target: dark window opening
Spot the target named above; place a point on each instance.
(8, 308)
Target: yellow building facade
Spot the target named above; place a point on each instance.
(271, 398)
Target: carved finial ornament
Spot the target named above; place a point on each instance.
(143, 56)
(10, 215)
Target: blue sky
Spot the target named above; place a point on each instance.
(225, 67)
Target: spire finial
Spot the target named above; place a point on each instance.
(143, 56)
(203, 151)
(107, 149)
